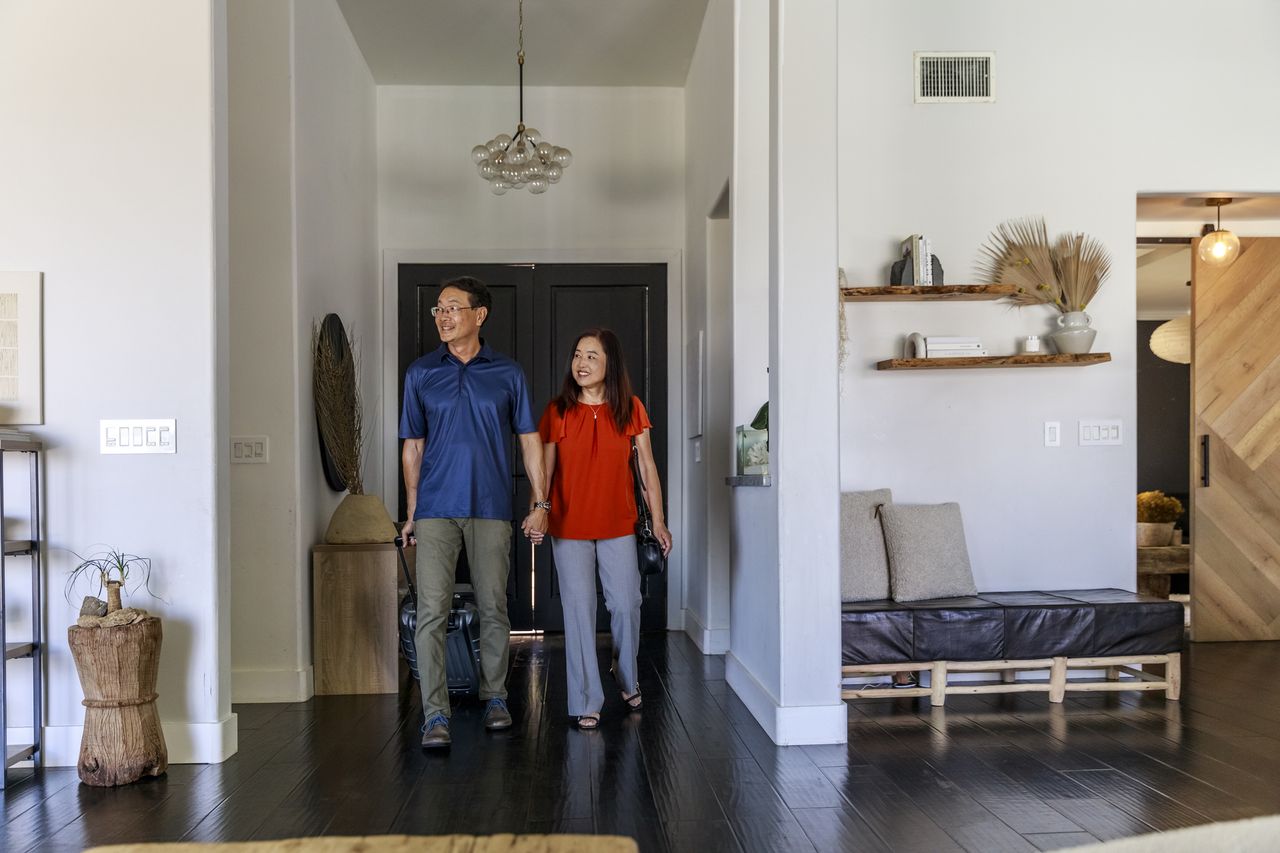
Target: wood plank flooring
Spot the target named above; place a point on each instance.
(694, 772)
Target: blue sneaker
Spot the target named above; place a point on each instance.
(496, 715)
(435, 732)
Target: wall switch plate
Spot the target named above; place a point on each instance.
(250, 449)
(1094, 433)
(149, 435)
(1052, 433)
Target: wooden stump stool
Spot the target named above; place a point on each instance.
(122, 739)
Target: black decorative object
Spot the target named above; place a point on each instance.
(901, 274)
(334, 332)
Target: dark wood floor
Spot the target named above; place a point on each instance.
(695, 772)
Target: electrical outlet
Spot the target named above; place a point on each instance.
(250, 449)
(151, 435)
(1052, 433)
(1094, 433)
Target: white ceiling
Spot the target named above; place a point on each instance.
(1184, 208)
(566, 42)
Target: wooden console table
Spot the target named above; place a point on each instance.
(355, 612)
(1156, 565)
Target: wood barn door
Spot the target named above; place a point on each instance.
(538, 311)
(1235, 382)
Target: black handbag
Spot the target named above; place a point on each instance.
(649, 557)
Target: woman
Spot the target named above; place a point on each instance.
(587, 433)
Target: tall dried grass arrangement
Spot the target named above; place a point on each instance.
(338, 409)
(1065, 273)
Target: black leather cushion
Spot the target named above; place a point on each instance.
(876, 636)
(1013, 626)
(1044, 625)
(1126, 623)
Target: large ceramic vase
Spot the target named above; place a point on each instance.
(1073, 335)
(360, 520)
(117, 665)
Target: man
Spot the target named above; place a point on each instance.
(460, 404)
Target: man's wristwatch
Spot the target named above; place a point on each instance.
(542, 505)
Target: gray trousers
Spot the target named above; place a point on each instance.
(576, 562)
(488, 544)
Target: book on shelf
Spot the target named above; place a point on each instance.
(918, 261)
(15, 435)
(943, 340)
(954, 353)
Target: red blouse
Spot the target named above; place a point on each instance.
(592, 492)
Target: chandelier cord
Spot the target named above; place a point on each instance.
(520, 63)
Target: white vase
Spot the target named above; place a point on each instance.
(1073, 335)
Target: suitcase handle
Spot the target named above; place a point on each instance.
(404, 565)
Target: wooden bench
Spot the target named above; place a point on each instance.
(1007, 633)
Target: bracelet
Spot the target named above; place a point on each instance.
(542, 505)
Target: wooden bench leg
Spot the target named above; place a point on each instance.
(938, 683)
(1008, 676)
(1173, 677)
(1113, 673)
(1058, 680)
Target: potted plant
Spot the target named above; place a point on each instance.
(1157, 513)
(1065, 273)
(117, 655)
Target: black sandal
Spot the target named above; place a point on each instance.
(634, 702)
(587, 722)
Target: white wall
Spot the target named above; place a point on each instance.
(709, 309)
(304, 221)
(787, 61)
(336, 243)
(1066, 139)
(265, 573)
(624, 189)
(110, 156)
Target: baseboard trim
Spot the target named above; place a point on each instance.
(710, 641)
(187, 743)
(272, 685)
(791, 725)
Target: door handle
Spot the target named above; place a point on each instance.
(1204, 460)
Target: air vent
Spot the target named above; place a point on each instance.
(953, 77)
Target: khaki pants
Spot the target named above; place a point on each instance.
(488, 544)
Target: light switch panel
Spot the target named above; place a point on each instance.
(250, 450)
(1052, 433)
(146, 435)
(1095, 433)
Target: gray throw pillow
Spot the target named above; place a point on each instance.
(864, 566)
(927, 554)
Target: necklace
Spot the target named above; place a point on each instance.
(595, 409)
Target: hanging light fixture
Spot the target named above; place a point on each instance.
(1218, 247)
(1172, 340)
(523, 159)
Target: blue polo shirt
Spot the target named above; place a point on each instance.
(466, 413)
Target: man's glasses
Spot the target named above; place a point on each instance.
(452, 310)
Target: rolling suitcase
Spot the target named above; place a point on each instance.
(462, 637)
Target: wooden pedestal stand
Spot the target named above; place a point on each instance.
(122, 740)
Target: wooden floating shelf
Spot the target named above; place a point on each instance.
(942, 292)
(994, 361)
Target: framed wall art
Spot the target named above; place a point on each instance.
(21, 348)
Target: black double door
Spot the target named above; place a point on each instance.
(538, 312)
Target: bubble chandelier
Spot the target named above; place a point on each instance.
(525, 158)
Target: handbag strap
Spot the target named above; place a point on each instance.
(642, 506)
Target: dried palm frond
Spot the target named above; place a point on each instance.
(1065, 273)
(338, 410)
(1084, 265)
